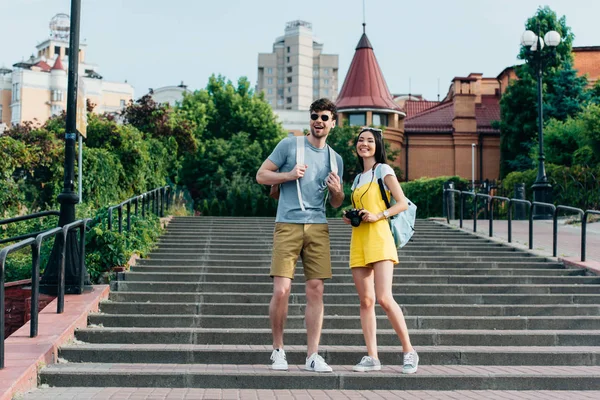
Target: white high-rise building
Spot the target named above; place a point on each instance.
(296, 73)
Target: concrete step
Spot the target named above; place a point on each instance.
(459, 300)
(338, 256)
(347, 355)
(341, 246)
(237, 319)
(340, 337)
(350, 308)
(338, 264)
(261, 377)
(405, 288)
(346, 278)
(205, 250)
(400, 269)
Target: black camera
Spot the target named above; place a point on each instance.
(354, 217)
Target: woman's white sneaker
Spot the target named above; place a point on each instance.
(279, 362)
(367, 364)
(316, 363)
(411, 362)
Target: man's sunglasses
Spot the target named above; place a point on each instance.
(372, 130)
(324, 117)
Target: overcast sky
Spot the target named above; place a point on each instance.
(154, 43)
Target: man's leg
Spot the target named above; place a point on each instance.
(314, 313)
(287, 244)
(317, 267)
(278, 308)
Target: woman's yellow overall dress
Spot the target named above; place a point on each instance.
(371, 241)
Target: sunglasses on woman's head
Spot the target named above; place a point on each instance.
(372, 130)
(324, 117)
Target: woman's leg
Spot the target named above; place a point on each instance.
(384, 275)
(363, 280)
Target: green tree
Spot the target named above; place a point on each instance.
(575, 141)
(564, 93)
(236, 130)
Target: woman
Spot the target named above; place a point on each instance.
(372, 249)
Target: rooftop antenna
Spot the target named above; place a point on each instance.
(438, 89)
(364, 18)
(409, 88)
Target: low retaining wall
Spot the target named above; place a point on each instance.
(17, 304)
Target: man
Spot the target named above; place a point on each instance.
(301, 229)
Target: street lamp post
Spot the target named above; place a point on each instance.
(542, 189)
(68, 197)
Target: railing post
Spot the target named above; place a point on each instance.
(82, 269)
(554, 232)
(35, 287)
(162, 202)
(144, 205)
(2, 307)
(491, 207)
(462, 208)
(475, 213)
(531, 226)
(60, 306)
(129, 215)
(169, 194)
(509, 221)
(120, 213)
(137, 200)
(110, 213)
(583, 234)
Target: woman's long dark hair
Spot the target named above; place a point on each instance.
(380, 157)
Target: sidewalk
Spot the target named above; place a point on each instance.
(568, 239)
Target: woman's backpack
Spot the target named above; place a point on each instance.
(402, 225)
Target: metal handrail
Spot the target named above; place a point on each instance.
(3, 254)
(25, 218)
(153, 200)
(36, 245)
(531, 205)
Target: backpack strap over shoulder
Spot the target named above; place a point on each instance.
(332, 160)
(300, 160)
(380, 184)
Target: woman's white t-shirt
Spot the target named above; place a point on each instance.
(366, 177)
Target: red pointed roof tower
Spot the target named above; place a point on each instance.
(364, 87)
(58, 64)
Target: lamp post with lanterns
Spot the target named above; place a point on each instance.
(542, 189)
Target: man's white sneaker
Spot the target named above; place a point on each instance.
(279, 360)
(316, 363)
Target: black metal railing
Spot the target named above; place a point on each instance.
(59, 233)
(510, 203)
(25, 218)
(155, 201)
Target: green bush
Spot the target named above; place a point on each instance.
(106, 249)
(575, 186)
(427, 194)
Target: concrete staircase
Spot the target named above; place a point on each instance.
(482, 316)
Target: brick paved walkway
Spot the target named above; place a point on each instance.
(197, 394)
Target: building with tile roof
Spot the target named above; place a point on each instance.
(32, 90)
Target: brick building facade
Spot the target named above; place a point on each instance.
(437, 138)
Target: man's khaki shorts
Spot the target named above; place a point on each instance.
(310, 242)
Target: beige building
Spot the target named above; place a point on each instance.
(297, 72)
(36, 89)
